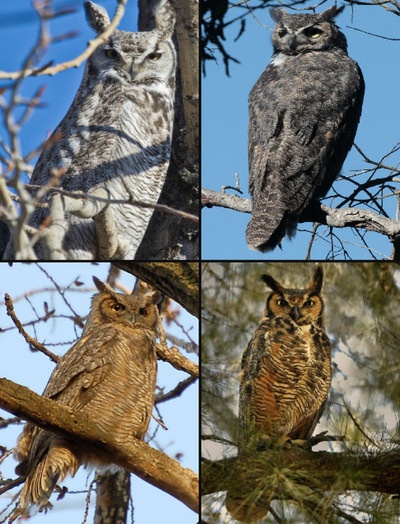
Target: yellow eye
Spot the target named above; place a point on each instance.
(118, 307)
(309, 303)
(111, 53)
(313, 32)
(281, 302)
(154, 56)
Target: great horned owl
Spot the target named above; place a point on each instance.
(108, 375)
(115, 136)
(304, 112)
(285, 378)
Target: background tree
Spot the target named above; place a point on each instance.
(52, 301)
(359, 216)
(31, 105)
(346, 479)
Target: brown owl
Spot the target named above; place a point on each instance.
(286, 375)
(109, 375)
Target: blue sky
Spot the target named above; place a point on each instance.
(19, 27)
(33, 370)
(224, 128)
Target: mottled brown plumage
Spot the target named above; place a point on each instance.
(286, 375)
(109, 375)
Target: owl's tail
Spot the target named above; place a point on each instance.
(264, 231)
(42, 479)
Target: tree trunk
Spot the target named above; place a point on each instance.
(178, 238)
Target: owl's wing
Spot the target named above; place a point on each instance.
(256, 349)
(87, 361)
(299, 135)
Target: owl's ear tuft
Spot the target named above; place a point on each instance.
(277, 13)
(331, 13)
(316, 285)
(97, 17)
(103, 287)
(164, 19)
(272, 283)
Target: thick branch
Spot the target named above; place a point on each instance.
(177, 360)
(346, 217)
(317, 470)
(177, 280)
(360, 218)
(149, 464)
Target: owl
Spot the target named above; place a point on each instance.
(285, 377)
(109, 375)
(303, 116)
(116, 137)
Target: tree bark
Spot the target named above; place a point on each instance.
(319, 213)
(339, 472)
(169, 237)
(135, 456)
(177, 280)
(112, 497)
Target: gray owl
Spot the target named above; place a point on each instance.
(304, 112)
(115, 136)
(108, 375)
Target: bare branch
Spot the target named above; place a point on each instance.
(76, 62)
(174, 357)
(149, 464)
(33, 343)
(345, 217)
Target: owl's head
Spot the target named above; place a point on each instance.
(300, 33)
(144, 57)
(303, 306)
(132, 310)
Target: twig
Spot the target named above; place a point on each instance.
(174, 357)
(76, 62)
(33, 343)
(177, 391)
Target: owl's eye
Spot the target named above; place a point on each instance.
(313, 32)
(309, 303)
(111, 53)
(154, 56)
(118, 307)
(281, 302)
(143, 311)
(282, 31)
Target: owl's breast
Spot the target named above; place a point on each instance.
(286, 376)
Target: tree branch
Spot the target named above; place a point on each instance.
(333, 217)
(210, 198)
(174, 357)
(139, 458)
(76, 62)
(177, 280)
(317, 470)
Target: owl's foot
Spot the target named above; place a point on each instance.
(301, 443)
(265, 442)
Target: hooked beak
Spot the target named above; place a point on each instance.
(295, 313)
(292, 43)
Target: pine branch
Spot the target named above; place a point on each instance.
(338, 472)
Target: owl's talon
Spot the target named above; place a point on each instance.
(264, 442)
